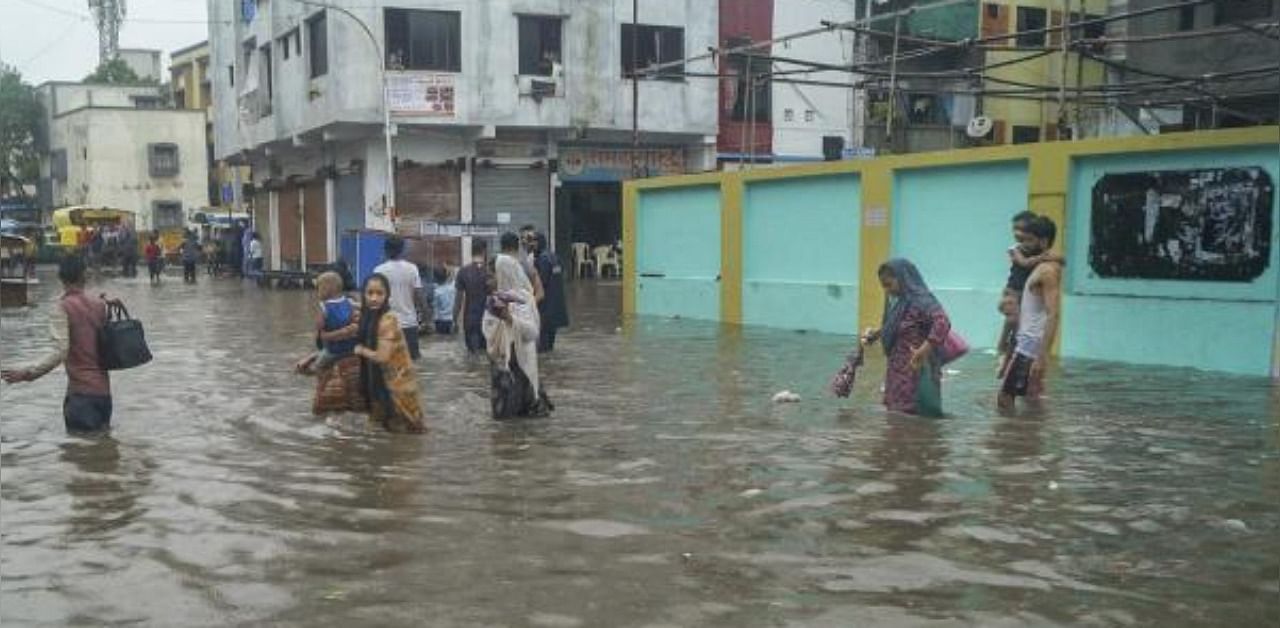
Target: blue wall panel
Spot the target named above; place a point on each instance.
(1218, 325)
(801, 244)
(678, 256)
(954, 223)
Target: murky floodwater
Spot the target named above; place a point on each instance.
(666, 491)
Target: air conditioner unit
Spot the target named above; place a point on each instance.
(539, 87)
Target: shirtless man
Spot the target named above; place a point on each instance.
(1037, 320)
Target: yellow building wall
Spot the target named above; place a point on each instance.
(1046, 70)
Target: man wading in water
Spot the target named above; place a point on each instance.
(74, 324)
(1037, 318)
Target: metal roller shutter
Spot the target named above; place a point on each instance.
(429, 193)
(317, 223)
(290, 217)
(522, 193)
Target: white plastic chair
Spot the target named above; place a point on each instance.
(581, 258)
(606, 257)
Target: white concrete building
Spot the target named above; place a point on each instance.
(504, 111)
(790, 118)
(112, 146)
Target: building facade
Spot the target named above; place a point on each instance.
(192, 88)
(1001, 60)
(1230, 40)
(501, 112)
(118, 146)
(803, 114)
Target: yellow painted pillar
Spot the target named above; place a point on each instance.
(877, 219)
(1048, 174)
(629, 285)
(731, 193)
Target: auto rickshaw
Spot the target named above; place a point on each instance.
(77, 225)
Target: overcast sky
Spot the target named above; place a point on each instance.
(55, 39)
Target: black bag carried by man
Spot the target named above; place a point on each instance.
(121, 343)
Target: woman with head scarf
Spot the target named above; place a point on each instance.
(511, 325)
(914, 329)
(387, 376)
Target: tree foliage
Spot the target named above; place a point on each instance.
(20, 115)
(117, 72)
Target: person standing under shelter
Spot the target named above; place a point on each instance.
(406, 291)
(1037, 319)
(255, 255)
(472, 288)
(74, 324)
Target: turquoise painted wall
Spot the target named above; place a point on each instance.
(1223, 326)
(954, 223)
(678, 252)
(801, 245)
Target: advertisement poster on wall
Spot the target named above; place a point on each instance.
(1211, 224)
(422, 94)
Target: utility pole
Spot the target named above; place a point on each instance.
(635, 89)
(893, 81)
(109, 15)
(1063, 35)
(386, 104)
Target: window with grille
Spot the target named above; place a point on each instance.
(162, 160)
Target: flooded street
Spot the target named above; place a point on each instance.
(666, 490)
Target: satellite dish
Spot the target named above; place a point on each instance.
(979, 127)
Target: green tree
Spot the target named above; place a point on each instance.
(20, 115)
(117, 72)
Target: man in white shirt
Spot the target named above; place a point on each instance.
(406, 291)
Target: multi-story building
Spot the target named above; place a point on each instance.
(1224, 51)
(506, 112)
(957, 60)
(119, 146)
(192, 88)
(802, 114)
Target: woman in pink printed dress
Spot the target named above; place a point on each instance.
(915, 327)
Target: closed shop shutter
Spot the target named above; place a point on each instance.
(290, 217)
(521, 193)
(429, 193)
(262, 224)
(317, 223)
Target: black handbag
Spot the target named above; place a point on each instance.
(121, 343)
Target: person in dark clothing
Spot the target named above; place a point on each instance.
(74, 324)
(190, 252)
(472, 289)
(344, 271)
(552, 309)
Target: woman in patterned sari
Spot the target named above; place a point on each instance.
(387, 376)
(915, 327)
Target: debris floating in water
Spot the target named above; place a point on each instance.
(786, 396)
(1053, 486)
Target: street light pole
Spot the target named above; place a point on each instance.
(390, 195)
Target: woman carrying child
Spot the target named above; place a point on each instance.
(387, 376)
(335, 365)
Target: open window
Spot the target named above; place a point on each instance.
(1234, 11)
(652, 45)
(423, 40)
(1031, 19)
(540, 51)
(318, 45)
(752, 97)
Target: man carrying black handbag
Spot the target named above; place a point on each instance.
(75, 324)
